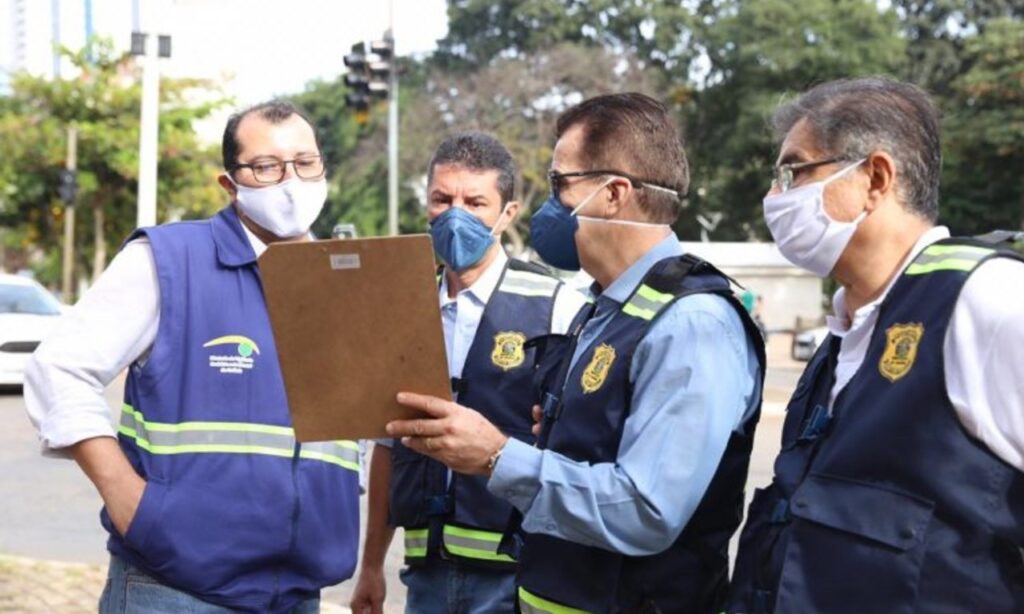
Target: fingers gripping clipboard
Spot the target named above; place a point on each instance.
(355, 321)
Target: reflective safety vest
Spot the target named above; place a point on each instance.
(235, 511)
(456, 517)
(584, 413)
(887, 504)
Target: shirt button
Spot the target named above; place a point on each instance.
(551, 526)
(907, 533)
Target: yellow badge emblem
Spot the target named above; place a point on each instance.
(596, 372)
(508, 350)
(900, 350)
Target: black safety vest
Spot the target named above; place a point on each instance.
(887, 504)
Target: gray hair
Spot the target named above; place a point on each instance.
(850, 118)
(479, 152)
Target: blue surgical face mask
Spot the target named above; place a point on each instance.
(553, 235)
(460, 239)
(553, 229)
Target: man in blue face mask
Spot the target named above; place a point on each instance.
(649, 405)
(490, 306)
(899, 486)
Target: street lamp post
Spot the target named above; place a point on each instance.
(149, 121)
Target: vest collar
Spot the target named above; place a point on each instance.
(233, 247)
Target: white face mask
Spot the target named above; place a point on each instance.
(587, 200)
(804, 232)
(287, 209)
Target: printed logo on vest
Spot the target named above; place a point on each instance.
(596, 372)
(900, 350)
(242, 360)
(508, 350)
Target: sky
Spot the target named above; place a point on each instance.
(256, 48)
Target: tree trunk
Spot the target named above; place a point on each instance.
(99, 261)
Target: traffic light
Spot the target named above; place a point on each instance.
(369, 74)
(357, 80)
(67, 186)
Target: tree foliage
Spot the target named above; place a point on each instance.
(102, 102)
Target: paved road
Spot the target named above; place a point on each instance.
(49, 510)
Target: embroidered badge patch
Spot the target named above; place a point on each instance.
(900, 350)
(596, 372)
(508, 350)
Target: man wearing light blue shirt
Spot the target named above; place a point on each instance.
(648, 405)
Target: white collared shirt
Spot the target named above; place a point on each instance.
(460, 316)
(982, 350)
(114, 324)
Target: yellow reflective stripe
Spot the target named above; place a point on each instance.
(328, 458)
(202, 448)
(245, 427)
(651, 294)
(948, 258)
(474, 544)
(539, 605)
(939, 250)
(489, 536)
(646, 302)
(949, 264)
(229, 438)
(416, 542)
(632, 310)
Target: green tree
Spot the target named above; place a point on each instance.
(759, 52)
(983, 181)
(656, 32)
(102, 102)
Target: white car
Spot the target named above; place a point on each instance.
(28, 312)
(806, 342)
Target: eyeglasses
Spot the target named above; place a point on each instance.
(271, 170)
(558, 181)
(783, 174)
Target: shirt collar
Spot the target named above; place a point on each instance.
(839, 323)
(235, 246)
(484, 286)
(626, 283)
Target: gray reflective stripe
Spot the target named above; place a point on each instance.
(230, 438)
(343, 453)
(416, 541)
(528, 284)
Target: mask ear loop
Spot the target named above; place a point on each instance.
(587, 200)
(839, 174)
(622, 222)
(504, 208)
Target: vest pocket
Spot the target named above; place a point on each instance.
(409, 484)
(853, 544)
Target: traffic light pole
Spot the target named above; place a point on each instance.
(393, 154)
(69, 222)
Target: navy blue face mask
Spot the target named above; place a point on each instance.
(553, 235)
(460, 238)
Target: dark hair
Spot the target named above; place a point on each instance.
(273, 111)
(850, 118)
(479, 152)
(633, 133)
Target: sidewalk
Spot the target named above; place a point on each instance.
(29, 586)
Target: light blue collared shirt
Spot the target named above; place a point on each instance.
(695, 379)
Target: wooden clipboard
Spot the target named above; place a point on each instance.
(355, 321)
